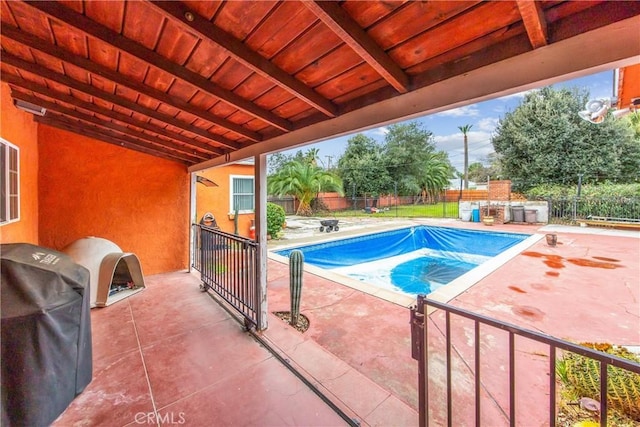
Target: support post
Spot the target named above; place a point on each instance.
(192, 217)
(260, 202)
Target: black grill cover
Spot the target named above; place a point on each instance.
(46, 333)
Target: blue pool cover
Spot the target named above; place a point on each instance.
(373, 247)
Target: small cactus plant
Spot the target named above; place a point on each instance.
(296, 263)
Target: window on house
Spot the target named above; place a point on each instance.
(9, 182)
(241, 194)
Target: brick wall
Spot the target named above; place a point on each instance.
(497, 212)
(500, 190)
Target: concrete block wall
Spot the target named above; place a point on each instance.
(502, 209)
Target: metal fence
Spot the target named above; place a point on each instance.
(228, 266)
(463, 364)
(400, 206)
(569, 210)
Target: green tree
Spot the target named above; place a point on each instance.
(478, 172)
(634, 122)
(465, 129)
(276, 161)
(304, 181)
(412, 161)
(631, 159)
(311, 156)
(362, 167)
(544, 141)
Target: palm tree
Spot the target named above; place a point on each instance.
(303, 180)
(435, 176)
(464, 129)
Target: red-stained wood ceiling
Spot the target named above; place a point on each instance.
(203, 82)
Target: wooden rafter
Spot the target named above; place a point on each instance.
(244, 55)
(155, 60)
(339, 21)
(117, 100)
(116, 139)
(534, 21)
(54, 51)
(110, 125)
(119, 140)
(50, 93)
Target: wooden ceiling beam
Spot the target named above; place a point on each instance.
(239, 51)
(534, 21)
(592, 18)
(119, 140)
(509, 48)
(91, 28)
(96, 121)
(85, 64)
(339, 21)
(117, 100)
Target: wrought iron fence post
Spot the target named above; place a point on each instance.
(418, 343)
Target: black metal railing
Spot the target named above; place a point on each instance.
(228, 266)
(569, 210)
(479, 381)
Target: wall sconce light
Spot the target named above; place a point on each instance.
(205, 181)
(29, 107)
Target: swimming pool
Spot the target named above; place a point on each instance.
(413, 260)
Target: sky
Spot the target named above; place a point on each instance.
(483, 118)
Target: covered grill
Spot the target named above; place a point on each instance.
(46, 333)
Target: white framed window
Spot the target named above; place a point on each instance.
(9, 182)
(241, 196)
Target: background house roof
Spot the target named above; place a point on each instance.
(204, 83)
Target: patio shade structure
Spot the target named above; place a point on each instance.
(204, 83)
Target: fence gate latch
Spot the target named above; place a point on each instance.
(417, 333)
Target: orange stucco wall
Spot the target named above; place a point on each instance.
(217, 199)
(18, 128)
(90, 188)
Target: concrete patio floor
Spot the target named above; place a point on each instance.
(171, 353)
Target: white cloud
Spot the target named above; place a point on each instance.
(381, 131)
(466, 111)
(479, 147)
(487, 124)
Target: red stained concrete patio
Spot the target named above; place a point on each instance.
(172, 355)
(586, 289)
(171, 351)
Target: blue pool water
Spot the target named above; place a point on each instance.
(411, 260)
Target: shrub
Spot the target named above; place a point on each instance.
(605, 190)
(275, 219)
(607, 200)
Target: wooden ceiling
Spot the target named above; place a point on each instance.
(202, 82)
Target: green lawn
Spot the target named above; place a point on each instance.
(440, 210)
